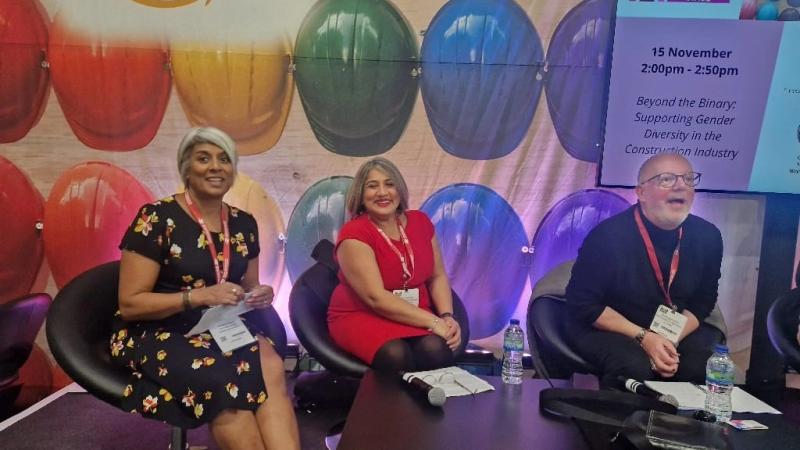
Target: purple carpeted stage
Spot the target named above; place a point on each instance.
(71, 419)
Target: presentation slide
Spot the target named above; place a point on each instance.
(701, 79)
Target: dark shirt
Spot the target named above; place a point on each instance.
(612, 269)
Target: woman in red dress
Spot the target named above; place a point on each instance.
(391, 279)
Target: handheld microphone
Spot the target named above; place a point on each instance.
(435, 395)
(637, 387)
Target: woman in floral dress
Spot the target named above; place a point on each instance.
(181, 255)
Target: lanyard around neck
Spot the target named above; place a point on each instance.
(407, 272)
(651, 255)
(222, 274)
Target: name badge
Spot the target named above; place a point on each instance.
(231, 334)
(410, 296)
(668, 323)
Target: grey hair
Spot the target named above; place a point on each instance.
(355, 195)
(204, 135)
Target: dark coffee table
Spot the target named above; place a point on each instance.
(387, 416)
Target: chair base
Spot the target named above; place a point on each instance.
(334, 435)
(178, 439)
(325, 390)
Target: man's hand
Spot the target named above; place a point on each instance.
(664, 357)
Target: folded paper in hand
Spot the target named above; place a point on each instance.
(219, 314)
(455, 381)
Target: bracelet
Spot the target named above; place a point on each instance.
(640, 336)
(446, 315)
(186, 300)
(433, 325)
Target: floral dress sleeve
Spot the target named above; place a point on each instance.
(145, 236)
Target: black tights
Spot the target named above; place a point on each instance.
(414, 353)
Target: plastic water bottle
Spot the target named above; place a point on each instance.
(719, 383)
(512, 353)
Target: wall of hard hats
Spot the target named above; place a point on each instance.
(493, 110)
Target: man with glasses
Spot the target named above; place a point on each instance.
(645, 280)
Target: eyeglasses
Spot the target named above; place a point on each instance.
(667, 179)
(445, 378)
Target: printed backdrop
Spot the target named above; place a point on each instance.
(492, 109)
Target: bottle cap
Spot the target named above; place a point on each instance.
(721, 348)
(514, 321)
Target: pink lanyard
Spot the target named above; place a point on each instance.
(651, 255)
(226, 247)
(407, 274)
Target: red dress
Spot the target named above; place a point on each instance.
(354, 326)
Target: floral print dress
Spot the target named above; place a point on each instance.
(186, 381)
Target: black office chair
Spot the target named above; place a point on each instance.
(782, 321)
(308, 312)
(79, 328)
(553, 355)
(20, 321)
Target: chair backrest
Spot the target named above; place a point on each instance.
(782, 321)
(553, 355)
(20, 321)
(461, 316)
(79, 327)
(270, 323)
(308, 312)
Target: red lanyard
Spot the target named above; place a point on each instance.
(407, 274)
(212, 248)
(651, 255)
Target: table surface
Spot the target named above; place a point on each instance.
(386, 415)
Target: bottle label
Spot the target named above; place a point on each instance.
(514, 345)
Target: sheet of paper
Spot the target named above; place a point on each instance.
(455, 381)
(691, 396)
(744, 402)
(218, 314)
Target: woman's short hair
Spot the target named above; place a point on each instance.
(204, 135)
(355, 195)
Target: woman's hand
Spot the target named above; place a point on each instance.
(440, 329)
(261, 297)
(225, 293)
(663, 356)
(447, 332)
(455, 337)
